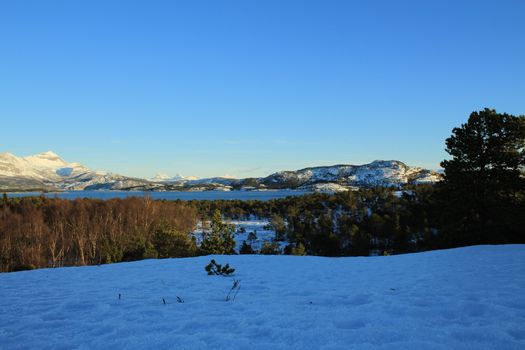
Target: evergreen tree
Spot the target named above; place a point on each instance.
(270, 249)
(252, 236)
(360, 245)
(220, 238)
(246, 248)
(279, 226)
(483, 180)
(170, 243)
(298, 249)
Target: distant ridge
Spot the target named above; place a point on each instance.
(48, 171)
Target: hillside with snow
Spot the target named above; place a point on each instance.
(379, 172)
(467, 298)
(334, 178)
(49, 171)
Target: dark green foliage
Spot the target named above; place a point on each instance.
(361, 243)
(220, 238)
(246, 248)
(482, 191)
(270, 249)
(279, 226)
(213, 268)
(140, 249)
(170, 243)
(110, 251)
(298, 249)
(252, 236)
(26, 267)
(351, 223)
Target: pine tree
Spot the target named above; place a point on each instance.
(483, 180)
(220, 239)
(246, 248)
(270, 249)
(170, 243)
(298, 249)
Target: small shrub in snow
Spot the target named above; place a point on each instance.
(234, 290)
(217, 269)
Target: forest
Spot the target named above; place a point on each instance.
(481, 200)
(48, 232)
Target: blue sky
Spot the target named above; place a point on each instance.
(250, 87)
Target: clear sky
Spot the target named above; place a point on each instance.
(250, 87)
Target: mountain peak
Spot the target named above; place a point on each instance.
(7, 155)
(163, 177)
(48, 155)
(47, 159)
(378, 162)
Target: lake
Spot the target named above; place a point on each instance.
(200, 195)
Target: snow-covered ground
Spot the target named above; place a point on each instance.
(261, 229)
(468, 298)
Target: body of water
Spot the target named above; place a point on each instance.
(200, 195)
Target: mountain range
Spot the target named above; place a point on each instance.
(49, 172)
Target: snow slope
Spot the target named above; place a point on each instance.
(48, 170)
(44, 166)
(379, 172)
(468, 298)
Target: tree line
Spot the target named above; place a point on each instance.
(50, 232)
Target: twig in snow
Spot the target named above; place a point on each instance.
(234, 290)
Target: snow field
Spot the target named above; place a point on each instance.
(467, 298)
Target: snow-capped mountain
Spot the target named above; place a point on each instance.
(163, 177)
(377, 173)
(325, 178)
(49, 171)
